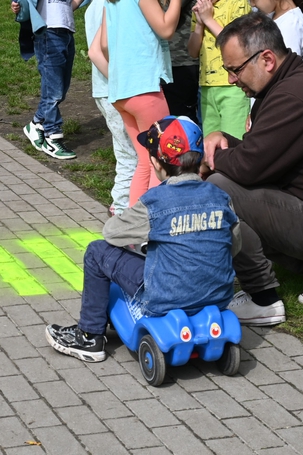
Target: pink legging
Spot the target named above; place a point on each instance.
(138, 114)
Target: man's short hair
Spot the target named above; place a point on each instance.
(255, 31)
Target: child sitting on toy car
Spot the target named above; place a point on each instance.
(191, 229)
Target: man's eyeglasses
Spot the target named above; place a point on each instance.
(237, 71)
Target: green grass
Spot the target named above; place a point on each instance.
(18, 78)
(291, 286)
(96, 177)
(19, 81)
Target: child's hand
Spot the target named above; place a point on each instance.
(15, 7)
(204, 11)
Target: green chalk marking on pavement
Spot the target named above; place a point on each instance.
(13, 272)
(56, 260)
(83, 238)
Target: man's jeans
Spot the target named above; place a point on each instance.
(55, 51)
(271, 228)
(104, 263)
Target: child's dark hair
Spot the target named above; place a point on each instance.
(190, 163)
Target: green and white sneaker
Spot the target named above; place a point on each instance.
(35, 133)
(54, 146)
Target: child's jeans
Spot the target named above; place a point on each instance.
(55, 51)
(104, 263)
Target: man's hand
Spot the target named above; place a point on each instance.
(212, 142)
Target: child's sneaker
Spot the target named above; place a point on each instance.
(73, 341)
(111, 210)
(35, 133)
(300, 298)
(54, 146)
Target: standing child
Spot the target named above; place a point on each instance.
(134, 40)
(224, 107)
(55, 51)
(288, 17)
(125, 154)
(182, 94)
(191, 229)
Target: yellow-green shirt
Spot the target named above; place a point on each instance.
(211, 71)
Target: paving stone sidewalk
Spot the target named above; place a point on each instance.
(70, 407)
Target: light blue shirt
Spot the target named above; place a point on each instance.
(138, 59)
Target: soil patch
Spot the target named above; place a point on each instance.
(80, 106)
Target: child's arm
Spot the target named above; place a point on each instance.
(103, 38)
(164, 23)
(15, 6)
(96, 55)
(195, 39)
(76, 4)
(131, 227)
(204, 11)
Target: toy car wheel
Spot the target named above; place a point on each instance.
(151, 361)
(229, 363)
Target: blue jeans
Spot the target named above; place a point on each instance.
(55, 51)
(104, 263)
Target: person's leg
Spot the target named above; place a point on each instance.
(138, 114)
(34, 130)
(182, 94)
(199, 111)
(125, 154)
(103, 263)
(234, 108)
(69, 62)
(274, 222)
(58, 60)
(271, 231)
(211, 120)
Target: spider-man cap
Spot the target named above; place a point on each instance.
(171, 137)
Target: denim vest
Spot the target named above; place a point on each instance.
(189, 261)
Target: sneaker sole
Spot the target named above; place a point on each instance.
(263, 321)
(33, 143)
(53, 155)
(82, 355)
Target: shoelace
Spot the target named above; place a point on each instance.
(241, 299)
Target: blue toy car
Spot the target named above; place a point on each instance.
(173, 339)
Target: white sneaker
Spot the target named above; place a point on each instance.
(35, 133)
(300, 298)
(249, 313)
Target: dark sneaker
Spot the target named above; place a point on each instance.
(73, 341)
(54, 146)
(35, 133)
